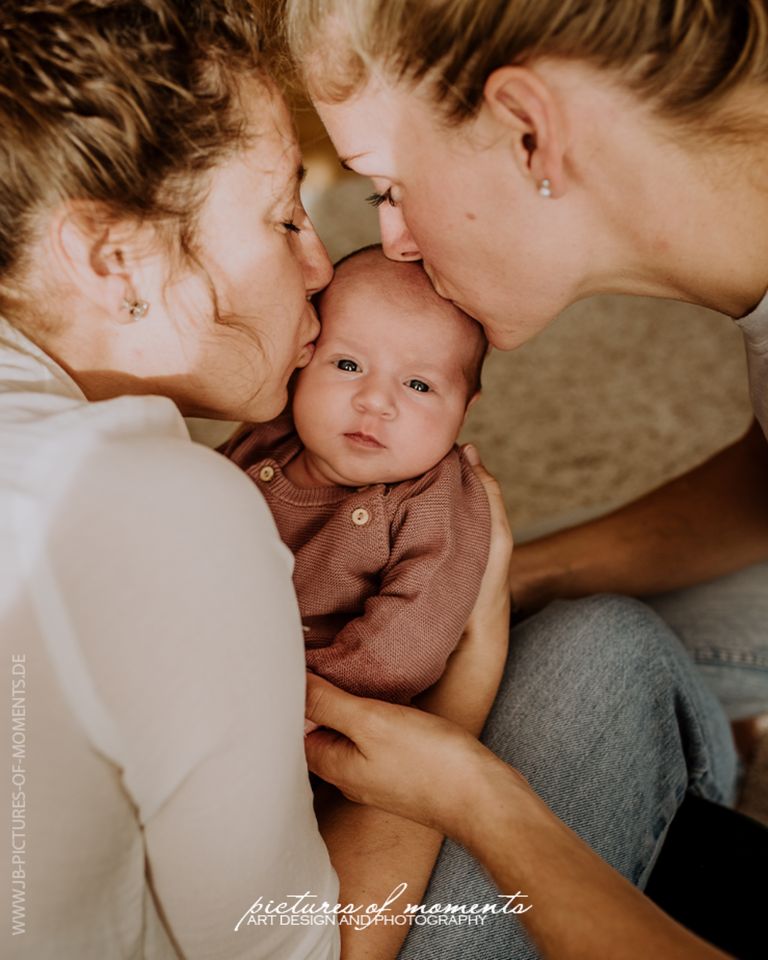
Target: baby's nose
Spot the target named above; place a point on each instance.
(376, 399)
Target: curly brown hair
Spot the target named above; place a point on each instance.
(123, 103)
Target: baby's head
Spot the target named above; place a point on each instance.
(394, 372)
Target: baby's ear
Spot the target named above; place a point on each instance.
(471, 402)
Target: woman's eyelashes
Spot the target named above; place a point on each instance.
(299, 214)
(376, 199)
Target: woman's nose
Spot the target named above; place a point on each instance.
(374, 398)
(396, 239)
(316, 264)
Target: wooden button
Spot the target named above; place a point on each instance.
(266, 473)
(360, 517)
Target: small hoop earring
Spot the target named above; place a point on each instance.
(545, 188)
(137, 308)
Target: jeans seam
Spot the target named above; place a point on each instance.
(701, 779)
(748, 659)
(659, 833)
(700, 776)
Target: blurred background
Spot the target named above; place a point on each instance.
(618, 395)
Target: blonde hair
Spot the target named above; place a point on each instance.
(684, 56)
(121, 104)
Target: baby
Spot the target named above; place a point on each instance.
(388, 523)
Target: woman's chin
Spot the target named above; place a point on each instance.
(263, 408)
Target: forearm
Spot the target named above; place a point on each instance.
(707, 523)
(373, 852)
(580, 908)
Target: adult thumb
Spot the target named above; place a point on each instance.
(328, 706)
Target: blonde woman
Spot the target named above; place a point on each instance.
(534, 154)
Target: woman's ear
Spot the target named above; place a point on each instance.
(84, 255)
(94, 254)
(523, 103)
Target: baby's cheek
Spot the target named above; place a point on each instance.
(441, 427)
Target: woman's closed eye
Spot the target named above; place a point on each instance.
(376, 199)
(296, 219)
(350, 366)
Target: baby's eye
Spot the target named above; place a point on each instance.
(418, 385)
(349, 365)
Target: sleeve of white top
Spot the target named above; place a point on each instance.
(187, 623)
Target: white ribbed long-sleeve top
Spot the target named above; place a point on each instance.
(153, 678)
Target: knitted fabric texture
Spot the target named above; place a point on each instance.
(386, 575)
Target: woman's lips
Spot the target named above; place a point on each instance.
(364, 440)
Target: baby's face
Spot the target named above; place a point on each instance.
(384, 396)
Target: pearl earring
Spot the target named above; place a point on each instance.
(137, 308)
(545, 188)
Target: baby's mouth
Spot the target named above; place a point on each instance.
(364, 439)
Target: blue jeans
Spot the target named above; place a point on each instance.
(604, 712)
(724, 626)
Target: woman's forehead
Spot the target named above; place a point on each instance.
(273, 152)
(365, 127)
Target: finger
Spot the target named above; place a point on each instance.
(499, 518)
(328, 706)
(470, 452)
(329, 755)
(473, 459)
